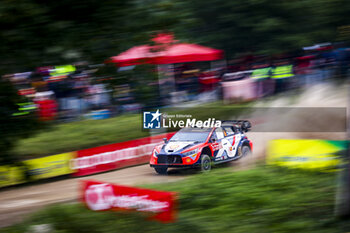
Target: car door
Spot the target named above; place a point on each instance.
(237, 140)
(222, 145)
(228, 141)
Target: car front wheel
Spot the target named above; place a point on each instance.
(161, 170)
(205, 163)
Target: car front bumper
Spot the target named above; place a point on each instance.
(176, 165)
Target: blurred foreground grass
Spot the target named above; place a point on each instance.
(90, 133)
(264, 199)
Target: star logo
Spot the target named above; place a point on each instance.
(151, 120)
(155, 115)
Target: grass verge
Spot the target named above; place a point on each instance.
(264, 199)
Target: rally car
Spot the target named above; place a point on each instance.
(202, 147)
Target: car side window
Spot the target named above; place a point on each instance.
(236, 130)
(219, 133)
(229, 130)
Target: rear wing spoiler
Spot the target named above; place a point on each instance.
(244, 125)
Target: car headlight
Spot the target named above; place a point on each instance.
(192, 154)
(155, 153)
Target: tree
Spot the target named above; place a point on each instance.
(13, 127)
(264, 26)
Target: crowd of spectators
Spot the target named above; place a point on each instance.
(61, 94)
(69, 92)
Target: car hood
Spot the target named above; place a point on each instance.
(178, 146)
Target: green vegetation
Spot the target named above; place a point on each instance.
(13, 127)
(268, 27)
(37, 33)
(265, 199)
(89, 133)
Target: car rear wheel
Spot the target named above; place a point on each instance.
(161, 170)
(205, 163)
(246, 151)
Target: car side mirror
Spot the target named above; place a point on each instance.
(165, 140)
(213, 140)
(246, 126)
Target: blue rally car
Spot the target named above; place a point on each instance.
(202, 147)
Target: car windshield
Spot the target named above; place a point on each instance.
(197, 135)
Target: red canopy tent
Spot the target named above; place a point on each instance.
(134, 56)
(183, 52)
(166, 51)
(166, 54)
